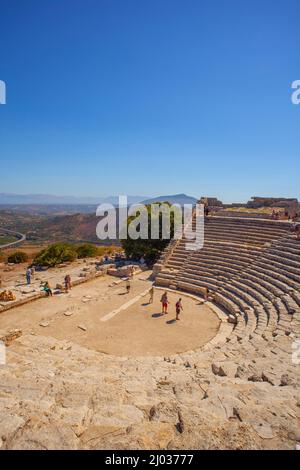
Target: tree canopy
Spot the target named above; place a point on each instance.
(18, 257)
(150, 248)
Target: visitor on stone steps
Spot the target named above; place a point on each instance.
(67, 283)
(151, 293)
(178, 309)
(46, 288)
(206, 293)
(164, 302)
(128, 286)
(28, 276)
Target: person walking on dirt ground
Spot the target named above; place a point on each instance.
(128, 286)
(28, 276)
(164, 302)
(68, 283)
(151, 293)
(178, 309)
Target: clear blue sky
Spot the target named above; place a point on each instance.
(150, 97)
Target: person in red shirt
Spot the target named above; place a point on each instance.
(164, 302)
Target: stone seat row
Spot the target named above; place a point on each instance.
(242, 294)
(258, 285)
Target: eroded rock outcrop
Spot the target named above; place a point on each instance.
(58, 395)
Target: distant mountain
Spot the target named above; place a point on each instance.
(48, 199)
(172, 199)
(50, 209)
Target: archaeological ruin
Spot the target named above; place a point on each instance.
(102, 369)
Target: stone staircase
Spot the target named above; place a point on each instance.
(252, 267)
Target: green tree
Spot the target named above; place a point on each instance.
(150, 249)
(56, 254)
(18, 257)
(87, 250)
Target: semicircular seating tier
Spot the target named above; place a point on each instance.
(252, 269)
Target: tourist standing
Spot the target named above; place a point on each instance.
(151, 293)
(68, 282)
(28, 276)
(128, 286)
(178, 309)
(164, 303)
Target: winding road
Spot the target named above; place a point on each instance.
(21, 237)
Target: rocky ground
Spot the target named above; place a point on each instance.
(227, 394)
(58, 395)
(13, 278)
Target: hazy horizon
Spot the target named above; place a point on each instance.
(92, 200)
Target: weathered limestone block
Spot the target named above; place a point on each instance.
(264, 430)
(232, 319)
(9, 425)
(9, 336)
(224, 369)
(164, 412)
(46, 436)
(117, 416)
